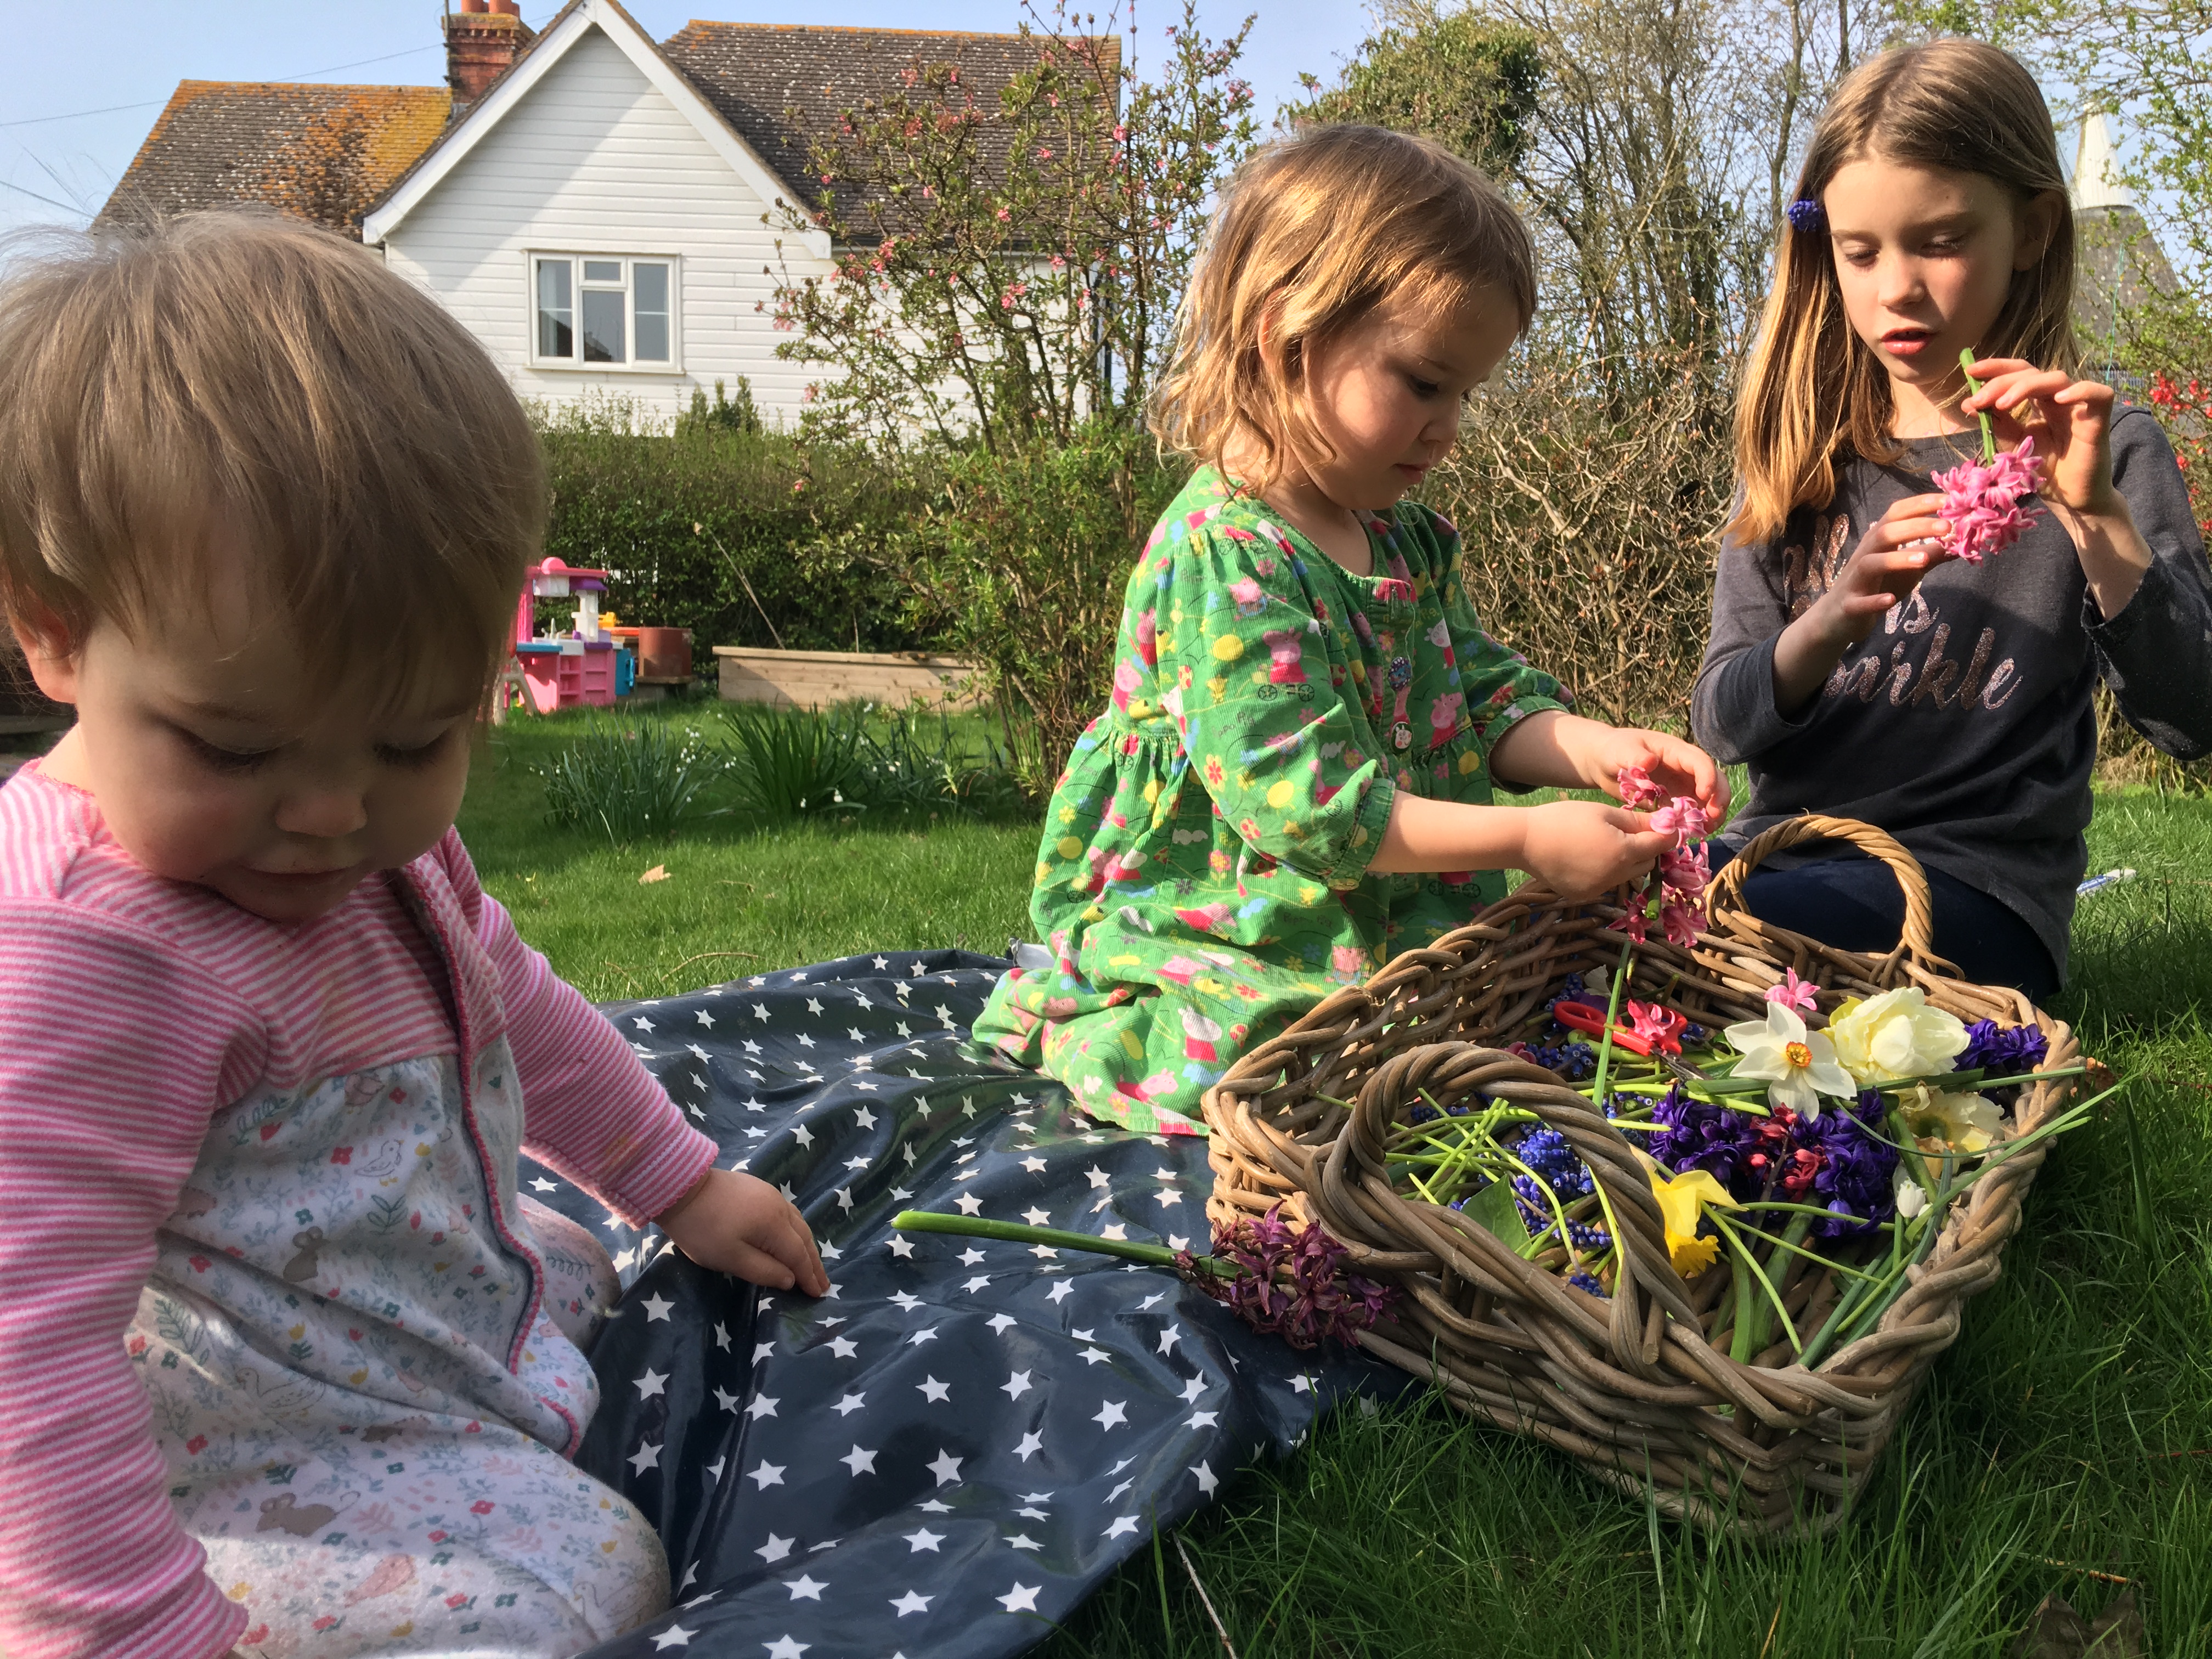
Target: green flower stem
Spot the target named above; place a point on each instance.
(1805, 1213)
(1989, 437)
(1013, 1232)
(1747, 1299)
(1751, 1336)
(1612, 1014)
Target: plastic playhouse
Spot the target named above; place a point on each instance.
(591, 661)
(586, 666)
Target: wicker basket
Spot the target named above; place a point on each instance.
(1631, 1385)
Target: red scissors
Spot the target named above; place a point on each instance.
(1661, 1028)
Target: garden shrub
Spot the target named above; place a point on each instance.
(738, 533)
(1019, 563)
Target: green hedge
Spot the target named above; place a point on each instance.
(766, 564)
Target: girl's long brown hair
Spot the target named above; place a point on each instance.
(1814, 390)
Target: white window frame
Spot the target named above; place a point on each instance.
(534, 258)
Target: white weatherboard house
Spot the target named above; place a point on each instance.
(602, 211)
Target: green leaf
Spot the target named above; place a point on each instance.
(1497, 1210)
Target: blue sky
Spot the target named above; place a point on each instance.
(63, 138)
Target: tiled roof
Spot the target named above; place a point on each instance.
(324, 153)
(774, 82)
(2120, 266)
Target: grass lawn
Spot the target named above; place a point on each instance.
(2068, 1432)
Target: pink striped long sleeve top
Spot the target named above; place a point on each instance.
(131, 1010)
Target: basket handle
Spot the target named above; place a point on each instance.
(1919, 931)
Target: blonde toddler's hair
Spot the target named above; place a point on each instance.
(1813, 390)
(247, 371)
(1312, 233)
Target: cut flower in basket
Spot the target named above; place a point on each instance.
(1682, 1201)
(1956, 1122)
(1895, 1036)
(1797, 1066)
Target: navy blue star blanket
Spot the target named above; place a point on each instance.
(941, 1457)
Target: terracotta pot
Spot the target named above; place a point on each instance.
(664, 654)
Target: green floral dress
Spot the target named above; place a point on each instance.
(1203, 878)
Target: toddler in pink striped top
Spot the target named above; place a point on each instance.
(286, 1366)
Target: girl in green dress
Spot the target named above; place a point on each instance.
(1292, 781)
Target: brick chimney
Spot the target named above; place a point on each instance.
(482, 39)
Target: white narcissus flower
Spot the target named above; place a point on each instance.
(1798, 1066)
(1895, 1034)
(1911, 1196)
(1963, 1123)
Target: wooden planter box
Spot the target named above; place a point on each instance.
(815, 679)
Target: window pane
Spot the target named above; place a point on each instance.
(556, 315)
(603, 271)
(648, 286)
(603, 326)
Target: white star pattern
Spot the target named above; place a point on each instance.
(816, 1132)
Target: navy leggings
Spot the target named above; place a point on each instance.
(1853, 904)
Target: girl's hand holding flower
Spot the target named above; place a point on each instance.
(2071, 421)
(1581, 849)
(1568, 751)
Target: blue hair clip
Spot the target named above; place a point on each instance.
(1806, 214)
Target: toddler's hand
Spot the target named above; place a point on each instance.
(738, 1224)
(1581, 849)
(1884, 568)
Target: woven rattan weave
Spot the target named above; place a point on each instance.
(1632, 1385)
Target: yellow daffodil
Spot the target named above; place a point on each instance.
(1682, 1202)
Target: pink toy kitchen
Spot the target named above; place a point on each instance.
(582, 664)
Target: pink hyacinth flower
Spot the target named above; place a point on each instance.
(1985, 503)
(1685, 873)
(1684, 818)
(1682, 923)
(1637, 789)
(1793, 991)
